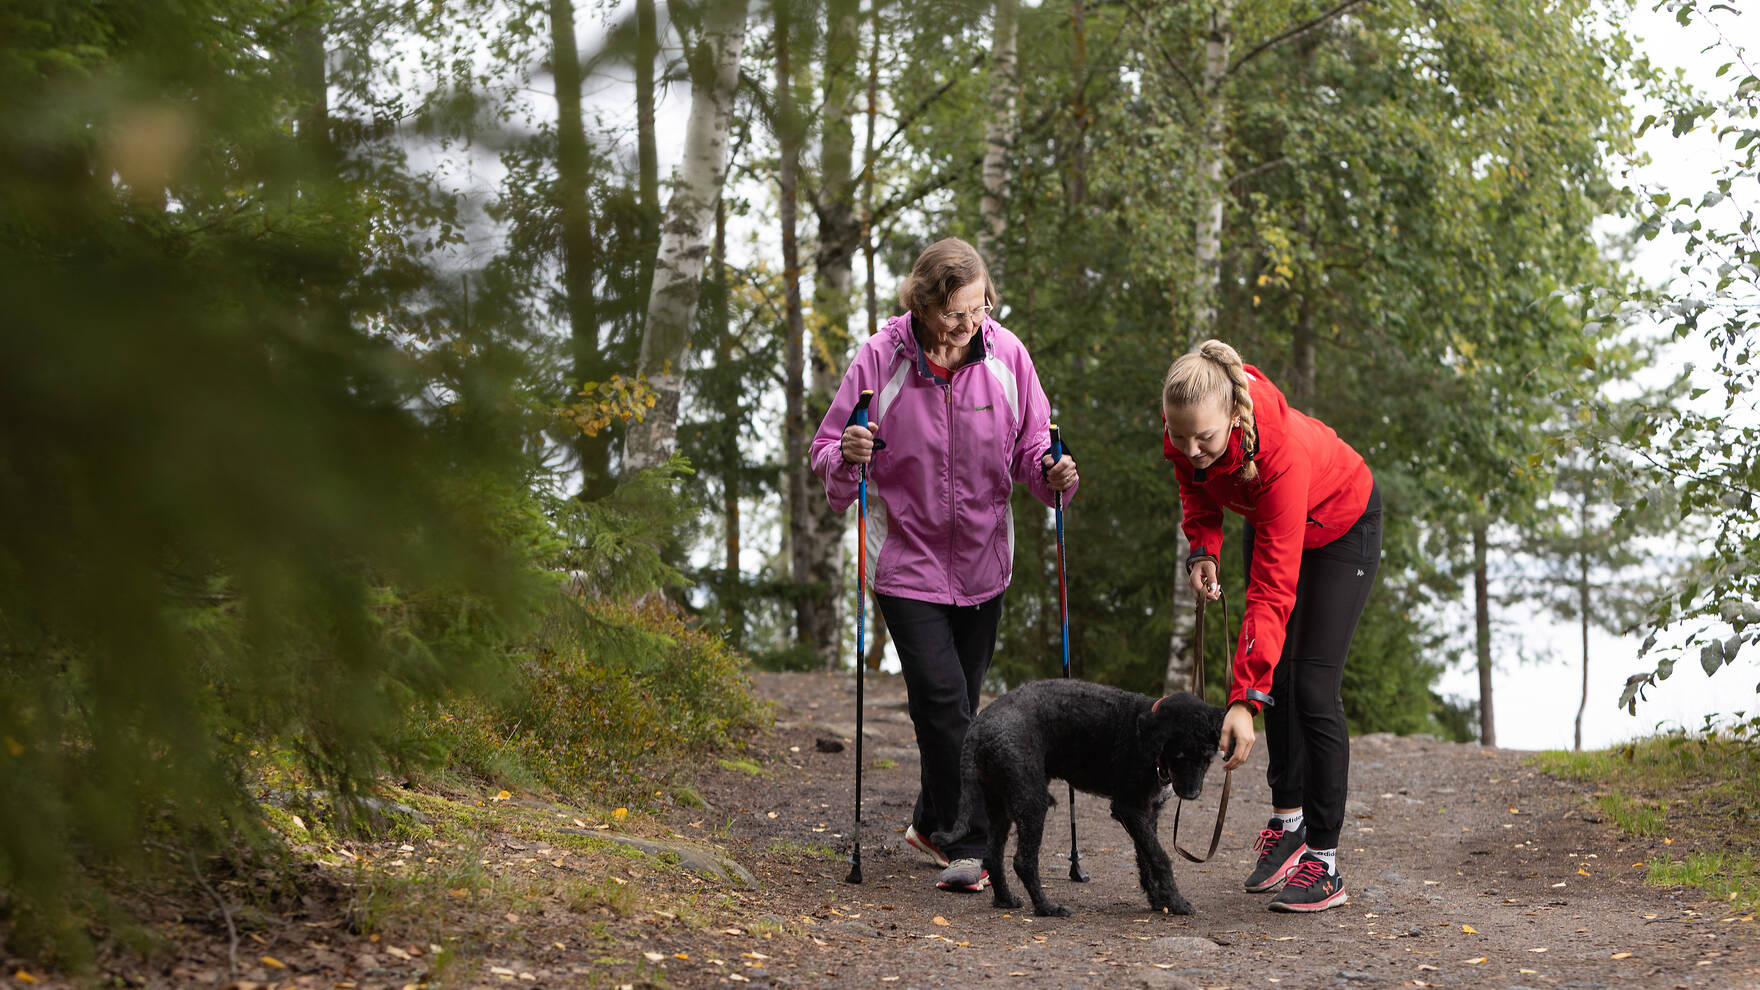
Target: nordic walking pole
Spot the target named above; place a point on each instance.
(1076, 873)
(859, 417)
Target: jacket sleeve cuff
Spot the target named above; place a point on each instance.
(1198, 555)
(1258, 699)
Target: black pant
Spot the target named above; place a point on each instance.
(944, 651)
(1305, 733)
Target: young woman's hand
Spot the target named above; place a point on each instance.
(1203, 578)
(1237, 735)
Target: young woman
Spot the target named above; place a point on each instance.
(1312, 547)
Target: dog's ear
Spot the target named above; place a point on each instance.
(1216, 717)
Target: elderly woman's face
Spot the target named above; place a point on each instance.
(951, 326)
(1200, 431)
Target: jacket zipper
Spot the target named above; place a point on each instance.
(947, 407)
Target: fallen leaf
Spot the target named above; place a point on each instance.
(501, 971)
(529, 978)
(620, 814)
(1582, 872)
(501, 796)
(652, 956)
(22, 976)
(578, 823)
(459, 892)
(1530, 972)
(1427, 966)
(399, 953)
(1559, 884)
(682, 955)
(1541, 949)
(1474, 962)
(754, 955)
(272, 961)
(1621, 955)
(1469, 929)
(943, 922)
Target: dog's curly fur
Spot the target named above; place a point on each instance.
(1105, 741)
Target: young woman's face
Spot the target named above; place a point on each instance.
(1200, 431)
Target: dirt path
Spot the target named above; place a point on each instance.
(1464, 867)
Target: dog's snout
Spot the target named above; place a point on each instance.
(1190, 793)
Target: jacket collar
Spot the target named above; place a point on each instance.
(899, 327)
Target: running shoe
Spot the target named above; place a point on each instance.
(1311, 887)
(1279, 851)
(964, 875)
(920, 842)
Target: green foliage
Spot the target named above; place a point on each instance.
(1702, 450)
(243, 504)
(613, 703)
(1696, 790)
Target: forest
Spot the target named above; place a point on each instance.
(390, 385)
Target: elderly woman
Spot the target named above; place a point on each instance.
(961, 419)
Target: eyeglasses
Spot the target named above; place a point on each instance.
(955, 319)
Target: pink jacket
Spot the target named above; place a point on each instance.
(940, 528)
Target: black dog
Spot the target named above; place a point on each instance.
(1103, 740)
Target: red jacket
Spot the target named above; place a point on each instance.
(1311, 488)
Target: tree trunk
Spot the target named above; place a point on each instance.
(579, 250)
(1207, 251)
(1078, 155)
(1583, 611)
(313, 119)
(1301, 382)
(821, 531)
(999, 131)
(684, 237)
(647, 157)
(868, 169)
(1482, 629)
(733, 601)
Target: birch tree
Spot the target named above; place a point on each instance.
(687, 230)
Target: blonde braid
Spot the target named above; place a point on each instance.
(1229, 361)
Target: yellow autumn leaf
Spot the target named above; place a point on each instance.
(22, 976)
(272, 961)
(943, 922)
(620, 814)
(501, 796)
(1621, 955)
(1469, 929)
(1582, 871)
(1474, 962)
(16, 748)
(682, 955)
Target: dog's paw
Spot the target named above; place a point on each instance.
(1009, 901)
(1053, 911)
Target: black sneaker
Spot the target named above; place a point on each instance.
(1278, 853)
(1310, 887)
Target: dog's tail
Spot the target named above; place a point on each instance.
(970, 793)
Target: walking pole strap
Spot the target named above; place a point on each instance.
(1198, 689)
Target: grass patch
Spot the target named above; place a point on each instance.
(744, 766)
(792, 847)
(1733, 878)
(883, 764)
(1697, 792)
(1634, 816)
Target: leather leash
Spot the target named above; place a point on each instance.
(1198, 689)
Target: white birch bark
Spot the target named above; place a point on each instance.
(1208, 249)
(999, 132)
(686, 230)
